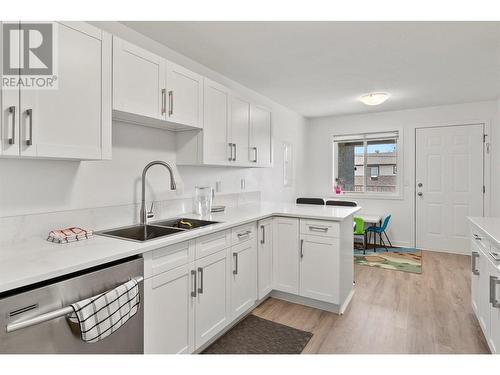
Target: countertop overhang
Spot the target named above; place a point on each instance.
(38, 260)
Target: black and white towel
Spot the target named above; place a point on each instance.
(101, 315)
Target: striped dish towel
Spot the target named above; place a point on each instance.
(101, 315)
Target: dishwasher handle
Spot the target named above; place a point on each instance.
(47, 316)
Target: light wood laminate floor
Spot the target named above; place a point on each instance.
(394, 312)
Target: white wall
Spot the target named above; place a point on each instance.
(320, 131)
(35, 186)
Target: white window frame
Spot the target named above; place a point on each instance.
(396, 134)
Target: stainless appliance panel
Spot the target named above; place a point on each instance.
(58, 335)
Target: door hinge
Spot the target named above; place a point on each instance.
(484, 189)
(484, 138)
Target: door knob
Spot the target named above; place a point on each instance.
(420, 193)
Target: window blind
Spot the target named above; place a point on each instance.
(365, 136)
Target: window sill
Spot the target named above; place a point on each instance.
(368, 196)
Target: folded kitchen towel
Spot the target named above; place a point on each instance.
(100, 316)
(69, 235)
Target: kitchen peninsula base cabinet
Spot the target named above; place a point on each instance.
(196, 290)
(485, 279)
(313, 262)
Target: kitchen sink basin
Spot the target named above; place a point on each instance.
(140, 233)
(184, 223)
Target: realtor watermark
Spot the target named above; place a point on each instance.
(29, 55)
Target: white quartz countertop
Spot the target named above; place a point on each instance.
(38, 260)
(489, 225)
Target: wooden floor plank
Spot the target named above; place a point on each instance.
(394, 312)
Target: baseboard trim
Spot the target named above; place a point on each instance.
(331, 307)
(346, 303)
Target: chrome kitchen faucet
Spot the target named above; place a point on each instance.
(144, 213)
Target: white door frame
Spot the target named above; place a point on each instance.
(486, 167)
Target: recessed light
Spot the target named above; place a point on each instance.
(374, 98)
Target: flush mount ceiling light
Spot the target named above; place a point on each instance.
(374, 98)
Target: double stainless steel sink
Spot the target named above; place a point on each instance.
(163, 228)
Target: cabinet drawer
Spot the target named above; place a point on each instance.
(319, 228)
(212, 243)
(168, 257)
(480, 239)
(243, 233)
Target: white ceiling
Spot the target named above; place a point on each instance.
(321, 68)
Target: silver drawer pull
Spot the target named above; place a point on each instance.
(235, 271)
(244, 234)
(47, 316)
(475, 255)
(200, 289)
(193, 275)
(12, 140)
(493, 291)
(318, 229)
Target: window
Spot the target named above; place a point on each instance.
(367, 163)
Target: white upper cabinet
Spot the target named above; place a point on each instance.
(149, 90)
(184, 96)
(210, 146)
(138, 80)
(238, 130)
(72, 120)
(260, 143)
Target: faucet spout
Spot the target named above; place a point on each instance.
(144, 214)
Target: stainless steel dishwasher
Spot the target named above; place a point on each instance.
(57, 335)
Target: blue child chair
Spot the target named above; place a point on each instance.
(380, 231)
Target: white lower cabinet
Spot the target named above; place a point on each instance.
(319, 265)
(243, 277)
(286, 254)
(212, 297)
(494, 304)
(480, 282)
(169, 309)
(265, 257)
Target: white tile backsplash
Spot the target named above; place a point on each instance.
(14, 229)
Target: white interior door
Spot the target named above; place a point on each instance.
(449, 185)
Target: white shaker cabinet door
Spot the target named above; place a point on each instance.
(265, 257)
(138, 81)
(212, 299)
(71, 121)
(319, 268)
(494, 304)
(243, 277)
(286, 254)
(216, 112)
(239, 130)
(260, 146)
(184, 96)
(168, 312)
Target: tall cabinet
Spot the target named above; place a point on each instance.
(73, 119)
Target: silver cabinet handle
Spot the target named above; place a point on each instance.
(244, 234)
(47, 316)
(493, 291)
(234, 145)
(170, 103)
(235, 271)
(12, 110)
(200, 289)
(193, 276)
(318, 229)
(263, 240)
(255, 154)
(475, 255)
(163, 101)
(301, 249)
(495, 255)
(231, 152)
(29, 113)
